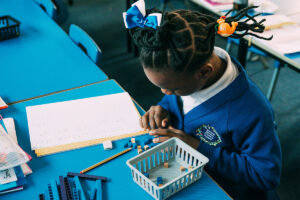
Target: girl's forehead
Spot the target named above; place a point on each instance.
(166, 77)
(165, 73)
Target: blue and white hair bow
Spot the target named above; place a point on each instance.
(136, 17)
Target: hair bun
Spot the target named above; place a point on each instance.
(149, 38)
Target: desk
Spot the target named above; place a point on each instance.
(43, 59)
(120, 186)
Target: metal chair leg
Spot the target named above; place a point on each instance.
(273, 82)
(228, 46)
(248, 55)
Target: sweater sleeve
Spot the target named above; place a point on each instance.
(256, 158)
(165, 103)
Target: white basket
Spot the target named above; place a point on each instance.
(176, 153)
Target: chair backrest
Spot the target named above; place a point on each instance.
(86, 43)
(48, 6)
(56, 9)
(252, 49)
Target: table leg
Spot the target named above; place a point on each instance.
(242, 52)
(278, 66)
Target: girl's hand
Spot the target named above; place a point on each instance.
(170, 132)
(156, 117)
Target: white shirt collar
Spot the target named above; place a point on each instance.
(197, 98)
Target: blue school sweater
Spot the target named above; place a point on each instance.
(237, 131)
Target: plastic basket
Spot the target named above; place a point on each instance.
(176, 153)
(9, 28)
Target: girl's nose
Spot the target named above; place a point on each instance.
(166, 91)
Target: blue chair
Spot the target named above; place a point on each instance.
(48, 6)
(56, 9)
(86, 43)
(250, 50)
(277, 66)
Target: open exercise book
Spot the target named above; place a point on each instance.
(67, 125)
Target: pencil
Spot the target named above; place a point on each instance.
(104, 161)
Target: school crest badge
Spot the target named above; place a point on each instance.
(208, 134)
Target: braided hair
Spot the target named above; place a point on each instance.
(185, 39)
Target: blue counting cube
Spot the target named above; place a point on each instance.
(159, 180)
(129, 144)
(147, 141)
(134, 145)
(146, 174)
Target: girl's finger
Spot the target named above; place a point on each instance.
(175, 130)
(157, 118)
(160, 132)
(160, 139)
(145, 121)
(151, 118)
(165, 122)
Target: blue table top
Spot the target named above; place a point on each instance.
(121, 186)
(43, 59)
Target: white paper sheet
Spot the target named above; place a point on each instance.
(81, 120)
(11, 130)
(11, 155)
(276, 21)
(285, 40)
(210, 6)
(264, 6)
(287, 6)
(7, 176)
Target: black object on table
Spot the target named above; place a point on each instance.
(9, 27)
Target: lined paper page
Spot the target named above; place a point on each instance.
(81, 120)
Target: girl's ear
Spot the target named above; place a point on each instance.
(205, 71)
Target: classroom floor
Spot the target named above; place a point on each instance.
(102, 19)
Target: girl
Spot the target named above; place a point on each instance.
(210, 103)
